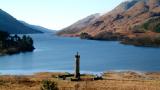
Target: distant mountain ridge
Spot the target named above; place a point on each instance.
(79, 25)
(40, 28)
(11, 25)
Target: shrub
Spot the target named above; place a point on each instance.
(151, 24)
(85, 35)
(157, 28)
(49, 85)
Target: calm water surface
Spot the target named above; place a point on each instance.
(54, 53)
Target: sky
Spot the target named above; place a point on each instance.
(55, 14)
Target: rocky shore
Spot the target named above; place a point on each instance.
(148, 39)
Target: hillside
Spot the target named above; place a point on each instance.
(11, 25)
(124, 17)
(79, 25)
(40, 28)
(130, 21)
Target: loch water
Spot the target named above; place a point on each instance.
(56, 54)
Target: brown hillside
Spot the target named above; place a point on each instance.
(123, 17)
(129, 19)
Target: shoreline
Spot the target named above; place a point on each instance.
(136, 40)
(100, 73)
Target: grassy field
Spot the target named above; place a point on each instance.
(112, 81)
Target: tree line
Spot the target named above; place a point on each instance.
(14, 43)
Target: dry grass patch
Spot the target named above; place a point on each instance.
(112, 81)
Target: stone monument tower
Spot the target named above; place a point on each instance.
(77, 66)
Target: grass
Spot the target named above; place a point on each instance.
(112, 81)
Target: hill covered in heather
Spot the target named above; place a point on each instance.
(134, 22)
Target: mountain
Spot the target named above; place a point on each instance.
(11, 25)
(40, 28)
(79, 25)
(132, 20)
(124, 17)
(43, 29)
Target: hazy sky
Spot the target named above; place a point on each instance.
(55, 14)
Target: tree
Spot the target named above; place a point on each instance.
(3, 38)
(3, 35)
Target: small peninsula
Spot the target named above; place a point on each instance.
(11, 44)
